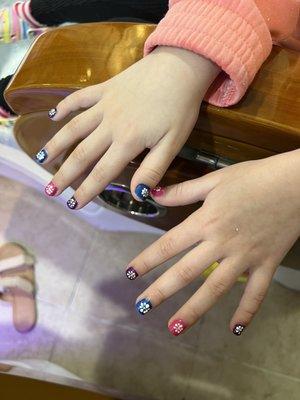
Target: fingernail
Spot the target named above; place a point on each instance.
(131, 273)
(41, 156)
(238, 329)
(143, 306)
(177, 327)
(142, 191)
(52, 113)
(158, 191)
(72, 203)
(51, 189)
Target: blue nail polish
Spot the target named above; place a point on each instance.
(52, 113)
(143, 306)
(131, 273)
(142, 191)
(41, 156)
(72, 203)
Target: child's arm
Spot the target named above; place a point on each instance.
(235, 34)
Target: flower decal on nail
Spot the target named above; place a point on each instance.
(238, 330)
(142, 191)
(51, 189)
(158, 191)
(131, 273)
(177, 327)
(41, 156)
(144, 306)
(52, 113)
(72, 203)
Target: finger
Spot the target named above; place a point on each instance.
(109, 167)
(187, 192)
(77, 129)
(254, 294)
(169, 245)
(153, 168)
(83, 98)
(216, 285)
(181, 274)
(85, 154)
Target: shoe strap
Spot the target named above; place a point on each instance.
(15, 262)
(16, 282)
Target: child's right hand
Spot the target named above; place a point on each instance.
(250, 219)
(153, 104)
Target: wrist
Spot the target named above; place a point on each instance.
(199, 69)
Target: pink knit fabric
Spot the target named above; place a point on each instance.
(235, 34)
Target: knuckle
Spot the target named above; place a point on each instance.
(80, 154)
(257, 299)
(82, 193)
(186, 274)
(153, 174)
(98, 174)
(53, 146)
(179, 190)
(128, 142)
(73, 125)
(192, 312)
(167, 247)
(217, 288)
(144, 267)
(68, 101)
(158, 294)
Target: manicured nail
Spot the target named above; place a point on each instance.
(131, 273)
(52, 113)
(72, 203)
(142, 191)
(51, 189)
(238, 330)
(143, 306)
(158, 191)
(41, 156)
(177, 327)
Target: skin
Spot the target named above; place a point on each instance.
(154, 104)
(250, 219)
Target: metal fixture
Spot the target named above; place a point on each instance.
(119, 198)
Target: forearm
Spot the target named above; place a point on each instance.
(192, 66)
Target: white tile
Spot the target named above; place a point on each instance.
(36, 344)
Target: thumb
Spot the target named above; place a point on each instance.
(187, 192)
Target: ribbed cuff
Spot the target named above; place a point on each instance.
(233, 34)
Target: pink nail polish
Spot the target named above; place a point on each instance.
(177, 327)
(158, 191)
(51, 189)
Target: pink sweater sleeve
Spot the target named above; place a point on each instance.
(235, 34)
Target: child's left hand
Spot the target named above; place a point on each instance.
(153, 104)
(249, 221)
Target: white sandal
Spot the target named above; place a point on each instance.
(17, 284)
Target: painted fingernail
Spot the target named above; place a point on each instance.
(52, 113)
(142, 191)
(41, 156)
(158, 191)
(177, 327)
(238, 329)
(51, 189)
(72, 203)
(143, 306)
(131, 273)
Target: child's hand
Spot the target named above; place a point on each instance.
(249, 221)
(153, 104)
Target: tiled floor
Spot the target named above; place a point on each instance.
(87, 322)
